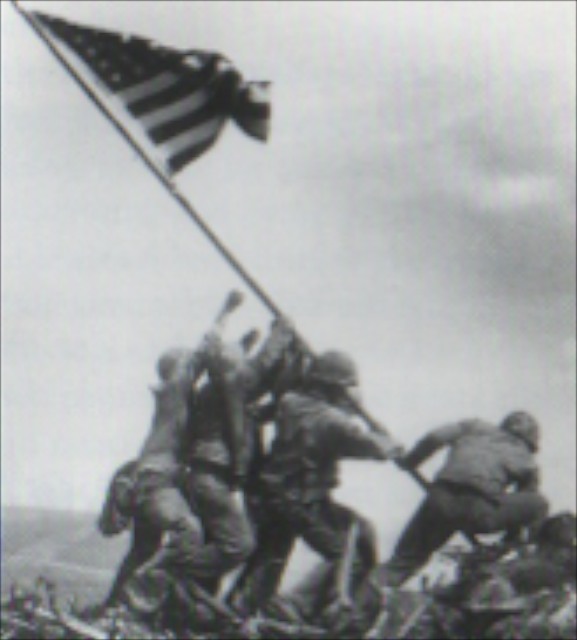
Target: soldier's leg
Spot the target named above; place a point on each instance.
(325, 529)
(324, 526)
(427, 531)
(262, 574)
(145, 542)
(167, 509)
(230, 539)
(163, 506)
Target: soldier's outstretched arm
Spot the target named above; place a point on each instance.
(343, 436)
(377, 446)
(184, 366)
(269, 357)
(212, 339)
(439, 438)
(211, 344)
(233, 300)
(233, 395)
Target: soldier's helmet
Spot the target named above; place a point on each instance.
(524, 426)
(172, 363)
(335, 368)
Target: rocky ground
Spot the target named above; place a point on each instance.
(492, 592)
(489, 611)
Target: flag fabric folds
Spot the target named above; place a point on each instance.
(182, 99)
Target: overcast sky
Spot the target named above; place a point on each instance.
(415, 206)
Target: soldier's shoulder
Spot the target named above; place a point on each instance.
(300, 405)
(478, 426)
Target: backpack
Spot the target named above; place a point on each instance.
(118, 508)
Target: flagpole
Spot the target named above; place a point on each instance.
(159, 175)
(193, 214)
(183, 202)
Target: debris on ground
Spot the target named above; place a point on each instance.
(486, 601)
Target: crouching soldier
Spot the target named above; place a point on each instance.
(489, 484)
(315, 429)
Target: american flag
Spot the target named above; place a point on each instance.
(182, 99)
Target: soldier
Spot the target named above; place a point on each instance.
(216, 452)
(489, 484)
(149, 490)
(119, 513)
(315, 429)
(219, 457)
(159, 506)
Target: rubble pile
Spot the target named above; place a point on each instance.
(487, 609)
(35, 613)
(486, 600)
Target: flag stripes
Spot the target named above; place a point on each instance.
(177, 109)
(144, 90)
(182, 100)
(191, 138)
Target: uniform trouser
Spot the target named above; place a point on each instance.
(324, 526)
(146, 540)
(162, 517)
(229, 536)
(451, 508)
(161, 507)
(204, 535)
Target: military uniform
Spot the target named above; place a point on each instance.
(165, 531)
(148, 491)
(220, 451)
(296, 480)
(185, 518)
(471, 493)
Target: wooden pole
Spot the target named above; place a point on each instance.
(188, 208)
